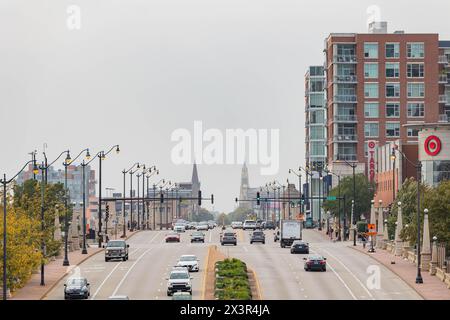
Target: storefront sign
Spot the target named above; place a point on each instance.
(371, 159)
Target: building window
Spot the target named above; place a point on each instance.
(415, 70)
(392, 110)
(371, 90)
(412, 132)
(392, 69)
(371, 110)
(371, 50)
(392, 129)
(317, 132)
(415, 50)
(416, 109)
(316, 100)
(392, 50)
(371, 129)
(416, 89)
(371, 70)
(392, 90)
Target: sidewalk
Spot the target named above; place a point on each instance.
(431, 289)
(54, 272)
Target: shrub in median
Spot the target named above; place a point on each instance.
(232, 280)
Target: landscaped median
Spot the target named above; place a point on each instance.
(224, 271)
(232, 281)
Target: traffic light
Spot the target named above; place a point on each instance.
(107, 212)
(258, 198)
(199, 197)
(212, 199)
(162, 198)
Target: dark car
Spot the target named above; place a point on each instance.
(269, 225)
(300, 247)
(77, 288)
(258, 236)
(197, 237)
(228, 238)
(173, 237)
(315, 262)
(116, 249)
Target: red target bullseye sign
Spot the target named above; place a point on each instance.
(432, 146)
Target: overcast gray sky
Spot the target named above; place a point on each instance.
(139, 69)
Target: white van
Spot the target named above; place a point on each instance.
(249, 225)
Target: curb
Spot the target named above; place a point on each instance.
(206, 272)
(85, 258)
(258, 287)
(392, 270)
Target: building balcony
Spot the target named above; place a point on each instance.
(444, 118)
(443, 98)
(345, 118)
(347, 58)
(345, 98)
(345, 138)
(443, 59)
(345, 79)
(345, 157)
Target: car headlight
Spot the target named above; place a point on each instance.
(107, 251)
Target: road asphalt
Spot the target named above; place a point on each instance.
(350, 275)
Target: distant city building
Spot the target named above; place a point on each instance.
(74, 180)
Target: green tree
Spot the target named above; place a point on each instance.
(364, 194)
(202, 215)
(28, 198)
(22, 247)
(223, 219)
(239, 214)
(436, 200)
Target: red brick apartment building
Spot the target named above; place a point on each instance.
(378, 82)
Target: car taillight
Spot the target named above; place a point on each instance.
(322, 262)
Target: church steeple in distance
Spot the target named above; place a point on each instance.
(244, 187)
(195, 181)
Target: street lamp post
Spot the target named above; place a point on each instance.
(299, 175)
(138, 202)
(124, 172)
(354, 214)
(67, 163)
(44, 167)
(101, 156)
(5, 182)
(418, 167)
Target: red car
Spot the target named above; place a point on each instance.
(173, 237)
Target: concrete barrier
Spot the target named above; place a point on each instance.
(440, 274)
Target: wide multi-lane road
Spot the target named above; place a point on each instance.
(350, 274)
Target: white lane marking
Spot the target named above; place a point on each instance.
(245, 248)
(112, 271)
(128, 272)
(359, 281)
(343, 282)
(108, 276)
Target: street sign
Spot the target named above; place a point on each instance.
(371, 233)
(371, 226)
(331, 198)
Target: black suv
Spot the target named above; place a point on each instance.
(258, 236)
(116, 249)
